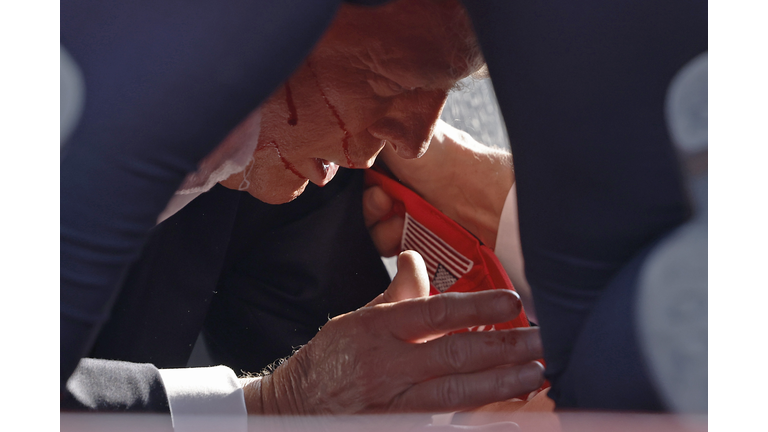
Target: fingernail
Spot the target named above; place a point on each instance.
(509, 303)
(531, 375)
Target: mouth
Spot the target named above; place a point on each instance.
(322, 171)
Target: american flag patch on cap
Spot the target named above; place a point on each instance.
(445, 265)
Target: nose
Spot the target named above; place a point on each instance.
(410, 121)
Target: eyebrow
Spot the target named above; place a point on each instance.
(439, 83)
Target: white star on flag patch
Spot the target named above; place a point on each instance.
(445, 265)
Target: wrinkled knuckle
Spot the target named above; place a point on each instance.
(452, 393)
(456, 355)
(504, 387)
(437, 314)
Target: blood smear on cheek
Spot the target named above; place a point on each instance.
(342, 126)
(289, 166)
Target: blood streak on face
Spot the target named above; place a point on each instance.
(289, 166)
(293, 119)
(379, 76)
(345, 140)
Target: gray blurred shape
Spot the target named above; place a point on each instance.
(673, 285)
(687, 106)
(71, 95)
(473, 108)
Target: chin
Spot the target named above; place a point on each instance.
(277, 195)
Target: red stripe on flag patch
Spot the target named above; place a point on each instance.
(435, 251)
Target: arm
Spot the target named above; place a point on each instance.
(185, 394)
(153, 108)
(104, 385)
(390, 356)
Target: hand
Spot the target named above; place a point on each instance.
(462, 178)
(385, 234)
(392, 356)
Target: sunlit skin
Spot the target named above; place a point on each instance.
(378, 78)
(364, 86)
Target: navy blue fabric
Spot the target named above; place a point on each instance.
(581, 87)
(164, 83)
(260, 278)
(289, 269)
(165, 297)
(607, 368)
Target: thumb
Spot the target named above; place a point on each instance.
(411, 280)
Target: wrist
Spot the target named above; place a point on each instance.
(262, 397)
(274, 394)
(254, 403)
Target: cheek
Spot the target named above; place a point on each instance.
(355, 110)
(307, 119)
(296, 121)
(268, 179)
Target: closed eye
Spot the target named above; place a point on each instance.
(383, 86)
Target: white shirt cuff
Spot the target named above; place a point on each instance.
(205, 399)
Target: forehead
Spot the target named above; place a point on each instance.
(425, 44)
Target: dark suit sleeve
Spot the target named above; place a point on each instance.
(108, 385)
(289, 269)
(582, 89)
(164, 83)
(164, 299)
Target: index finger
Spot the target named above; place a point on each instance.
(426, 318)
(376, 205)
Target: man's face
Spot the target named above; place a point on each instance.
(379, 76)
